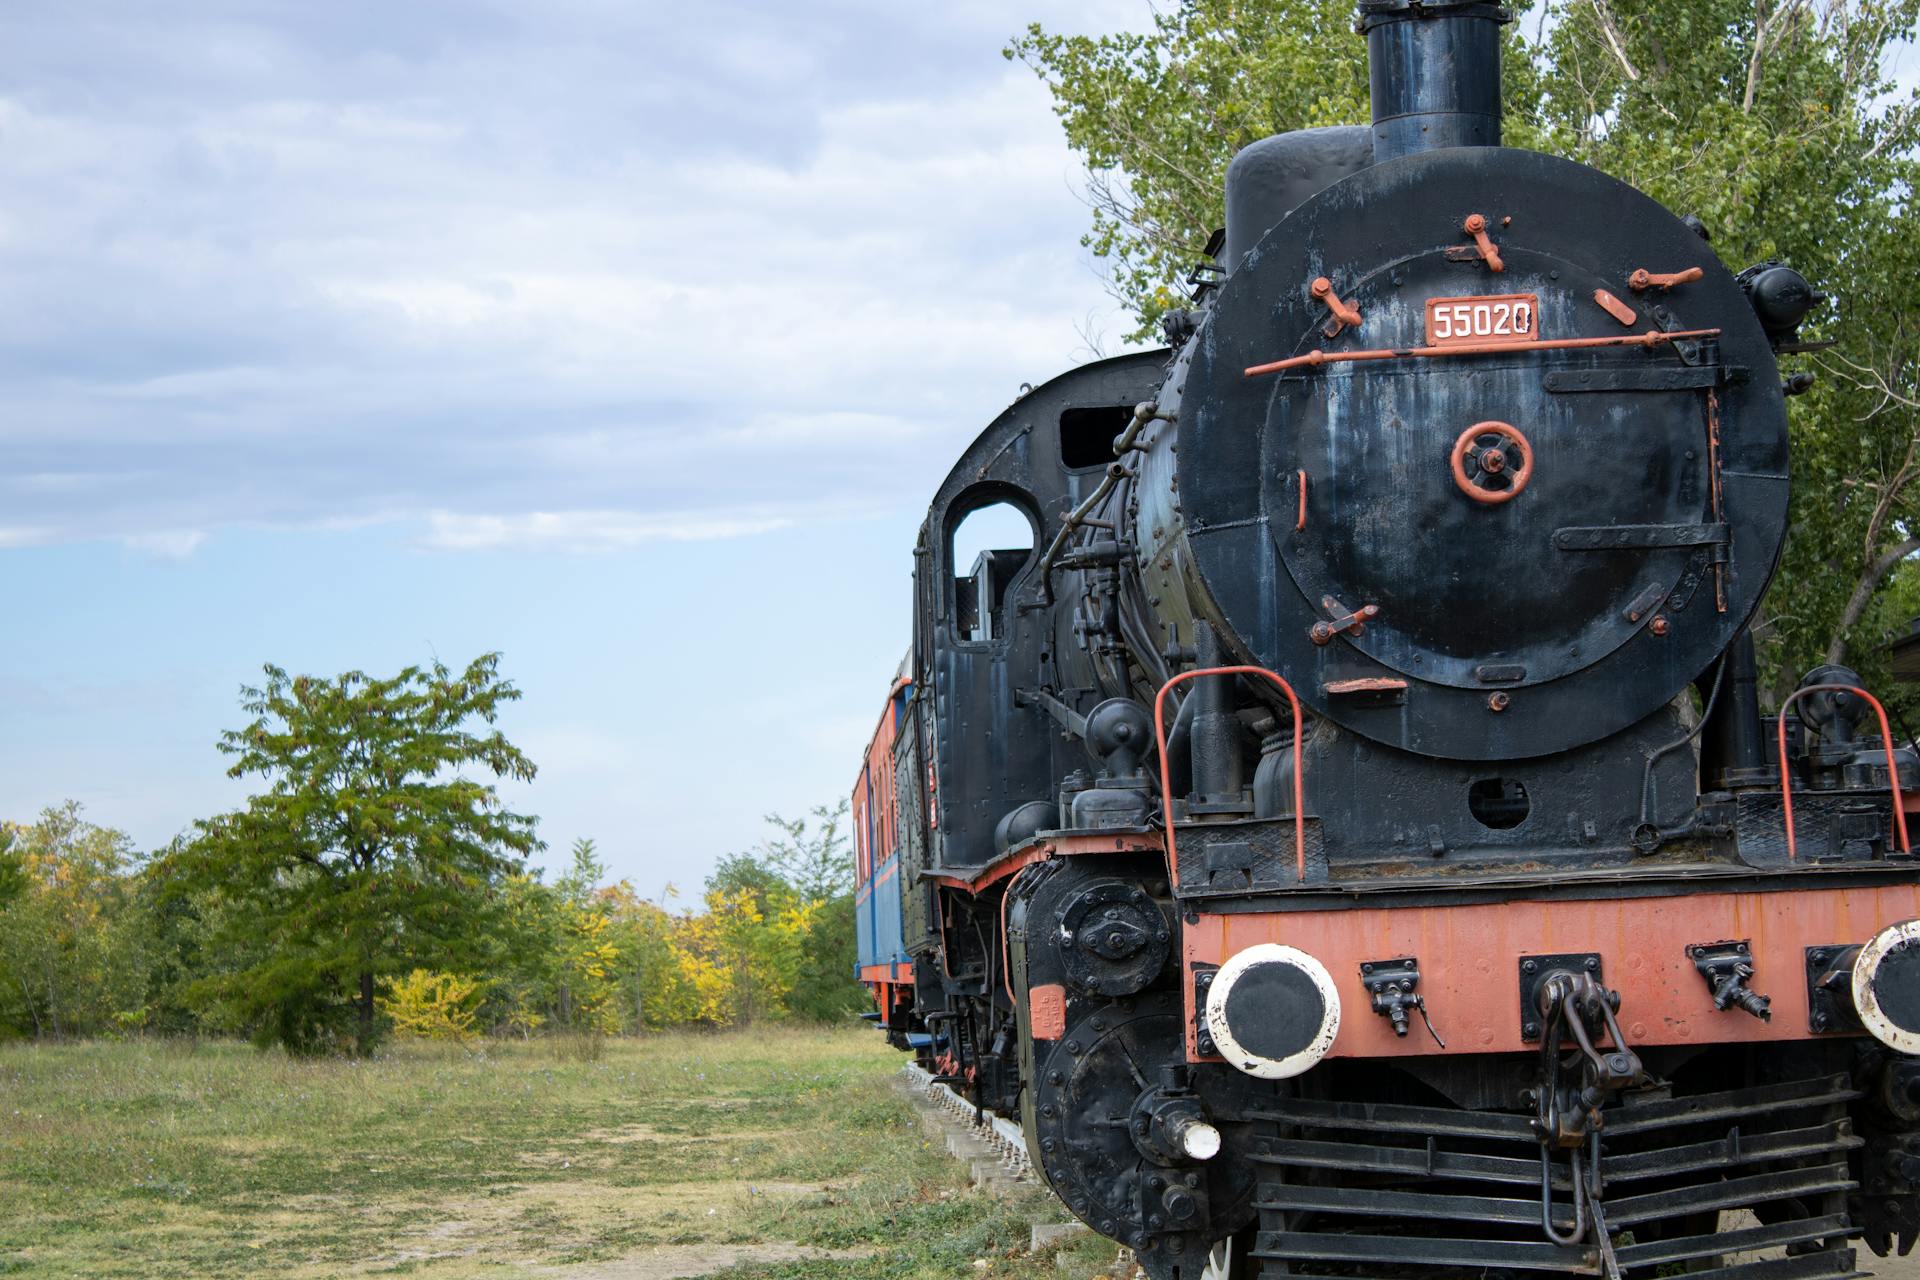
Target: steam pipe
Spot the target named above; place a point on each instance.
(1736, 742)
(1218, 771)
(1435, 74)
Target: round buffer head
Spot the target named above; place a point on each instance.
(1273, 1011)
(1886, 986)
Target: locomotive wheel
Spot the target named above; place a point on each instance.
(1084, 1095)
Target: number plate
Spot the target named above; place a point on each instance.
(1506, 317)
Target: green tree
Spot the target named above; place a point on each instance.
(1773, 121)
(72, 959)
(522, 964)
(13, 871)
(587, 962)
(753, 875)
(370, 854)
(658, 988)
(805, 864)
(811, 854)
(180, 940)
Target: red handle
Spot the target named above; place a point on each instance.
(1886, 738)
(1299, 763)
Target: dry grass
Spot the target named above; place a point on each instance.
(641, 1160)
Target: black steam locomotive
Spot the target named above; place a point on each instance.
(1348, 837)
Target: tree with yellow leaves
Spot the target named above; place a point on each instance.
(71, 955)
(432, 1006)
(742, 958)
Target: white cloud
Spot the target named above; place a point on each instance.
(170, 544)
(584, 531)
(299, 268)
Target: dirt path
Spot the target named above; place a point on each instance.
(685, 1261)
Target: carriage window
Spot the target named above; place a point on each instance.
(989, 549)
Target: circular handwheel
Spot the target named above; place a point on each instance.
(1492, 462)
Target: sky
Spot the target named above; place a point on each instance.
(626, 339)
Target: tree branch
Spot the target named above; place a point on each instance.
(1863, 595)
(1615, 41)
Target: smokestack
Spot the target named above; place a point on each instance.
(1435, 72)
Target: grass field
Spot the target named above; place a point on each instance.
(655, 1158)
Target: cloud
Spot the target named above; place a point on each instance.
(170, 544)
(584, 531)
(280, 265)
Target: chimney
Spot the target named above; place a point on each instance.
(1435, 73)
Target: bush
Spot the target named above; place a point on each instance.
(432, 1006)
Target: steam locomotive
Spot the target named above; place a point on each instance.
(1348, 837)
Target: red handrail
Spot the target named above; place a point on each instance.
(1886, 739)
(1299, 763)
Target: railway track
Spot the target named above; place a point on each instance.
(1000, 1137)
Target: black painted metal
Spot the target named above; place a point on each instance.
(1512, 726)
(1271, 178)
(1391, 1189)
(990, 753)
(1461, 585)
(1735, 754)
(1535, 970)
(1105, 1084)
(1435, 74)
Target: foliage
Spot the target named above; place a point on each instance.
(1773, 122)
(372, 864)
(742, 958)
(432, 1006)
(811, 854)
(1159, 115)
(805, 864)
(71, 955)
(369, 855)
(13, 871)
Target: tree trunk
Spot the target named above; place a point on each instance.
(365, 1003)
(39, 1032)
(1863, 596)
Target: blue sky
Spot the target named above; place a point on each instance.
(627, 339)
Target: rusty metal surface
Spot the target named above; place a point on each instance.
(1642, 279)
(1619, 310)
(1057, 845)
(1476, 226)
(1468, 954)
(1497, 317)
(1343, 313)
